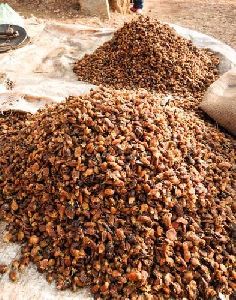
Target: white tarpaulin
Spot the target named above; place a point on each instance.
(43, 68)
(42, 73)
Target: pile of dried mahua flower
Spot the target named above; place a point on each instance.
(132, 199)
(148, 54)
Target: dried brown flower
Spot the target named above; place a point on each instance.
(148, 54)
(123, 195)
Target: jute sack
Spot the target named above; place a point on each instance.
(121, 6)
(220, 101)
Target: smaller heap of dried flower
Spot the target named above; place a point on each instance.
(148, 54)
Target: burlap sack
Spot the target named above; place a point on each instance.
(121, 6)
(220, 101)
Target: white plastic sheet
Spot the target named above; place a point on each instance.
(44, 68)
(9, 16)
(42, 73)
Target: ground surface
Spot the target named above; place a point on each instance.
(213, 17)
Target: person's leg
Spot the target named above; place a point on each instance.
(138, 4)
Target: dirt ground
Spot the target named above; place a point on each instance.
(213, 17)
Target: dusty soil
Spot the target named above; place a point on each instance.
(213, 17)
(216, 18)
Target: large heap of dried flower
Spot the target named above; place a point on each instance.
(148, 54)
(114, 192)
